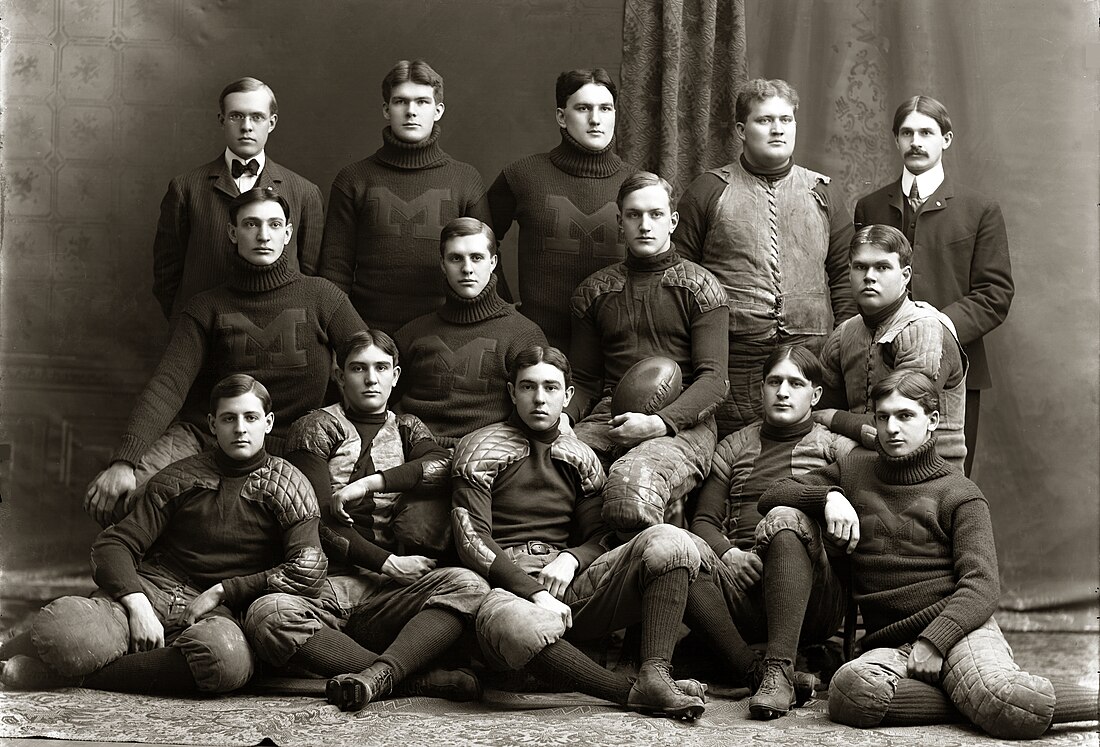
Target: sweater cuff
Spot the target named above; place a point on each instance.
(130, 451)
(943, 633)
(812, 499)
(851, 425)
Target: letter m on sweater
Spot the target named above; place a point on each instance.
(572, 226)
(883, 530)
(423, 214)
(274, 346)
(458, 369)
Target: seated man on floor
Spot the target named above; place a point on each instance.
(457, 356)
(364, 462)
(527, 518)
(268, 321)
(891, 333)
(745, 464)
(924, 574)
(652, 304)
(214, 532)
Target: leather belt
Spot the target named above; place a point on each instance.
(534, 547)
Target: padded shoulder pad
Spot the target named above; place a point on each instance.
(579, 455)
(482, 455)
(708, 292)
(196, 471)
(413, 431)
(722, 172)
(317, 432)
(285, 490)
(608, 280)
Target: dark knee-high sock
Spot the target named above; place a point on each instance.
(426, 636)
(917, 703)
(330, 652)
(20, 644)
(162, 671)
(664, 602)
(788, 576)
(1073, 702)
(563, 666)
(708, 613)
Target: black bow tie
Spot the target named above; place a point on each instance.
(238, 168)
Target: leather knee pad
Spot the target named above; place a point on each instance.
(217, 653)
(79, 635)
(511, 631)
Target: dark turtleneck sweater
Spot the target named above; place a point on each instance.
(926, 565)
(648, 306)
(381, 242)
(270, 322)
(564, 202)
(454, 362)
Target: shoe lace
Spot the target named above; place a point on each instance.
(773, 674)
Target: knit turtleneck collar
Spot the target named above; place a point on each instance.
(366, 418)
(874, 319)
(401, 155)
(484, 305)
(655, 263)
(795, 432)
(772, 175)
(231, 467)
(573, 158)
(246, 276)
(916, 467)
(548, 436)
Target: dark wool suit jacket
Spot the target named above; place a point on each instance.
(960, 260)
(192, 249)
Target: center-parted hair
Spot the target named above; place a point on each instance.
(912, 385)
(800, 356)
(641, 180)
(467, 227)
(412, 71)
(364, 339)
(234, 386)
(537, 354)
(257, 194)
(927, 106)
(759, 89)
(572, 81)
(886, 238)
(243, 85)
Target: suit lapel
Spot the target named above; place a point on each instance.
(938, 199)
(218, 173)
(271, 176)
(894, 198)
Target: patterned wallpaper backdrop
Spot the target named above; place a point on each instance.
(105, 100)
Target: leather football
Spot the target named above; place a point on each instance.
(647, 386)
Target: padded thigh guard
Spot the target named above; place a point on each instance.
(860, 691)
(277, 625)
(511, 630)
(646, 486)
(986, 685)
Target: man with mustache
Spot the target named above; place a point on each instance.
(960, 246)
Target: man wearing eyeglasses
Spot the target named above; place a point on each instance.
(192, 252)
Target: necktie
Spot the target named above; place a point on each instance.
(239, 168)
(915, 200)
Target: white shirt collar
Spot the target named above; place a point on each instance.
(230, 157)
(927, 183)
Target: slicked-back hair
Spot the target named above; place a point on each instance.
(537, 354)
(927, 106)
(571, 81)
(912, 385)
(242, 85)
(234, 386)
(364, 339)
(467, 226)
(412, 71)
(887, 238)
(256, 194)
(641, 180)
(759, 89)
(801, 356)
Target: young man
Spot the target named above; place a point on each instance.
(385, 212)
(364, 462)
(957, 235)
(269, 320)
(924, 574)
(215, 531)
(890, 333)
(653, 304)
(564, 202)
(746, 463)
(776, 236)
(457, 357)
(527, 518)
(191, 252)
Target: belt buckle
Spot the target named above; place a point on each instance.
(534, 547)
